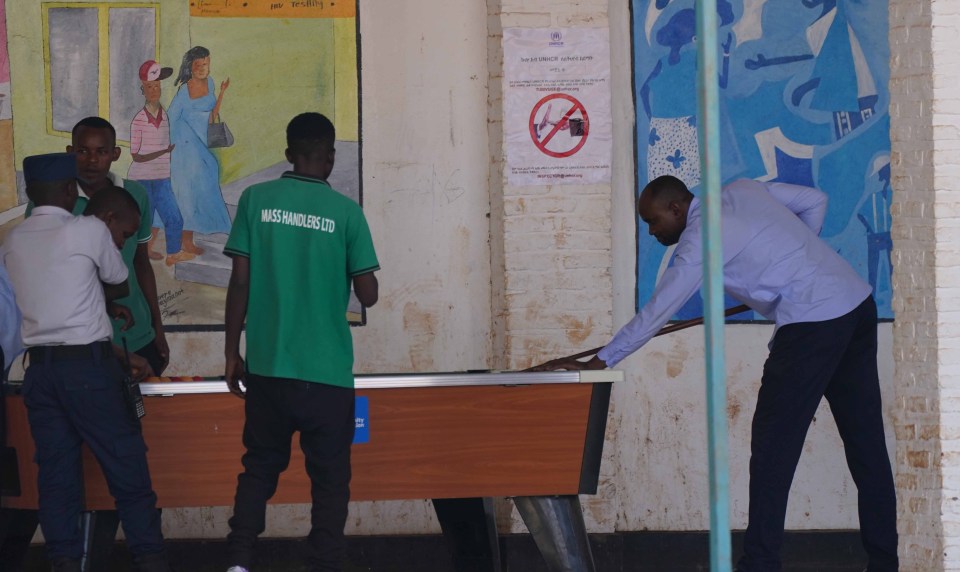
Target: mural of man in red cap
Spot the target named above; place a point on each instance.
(150, 148)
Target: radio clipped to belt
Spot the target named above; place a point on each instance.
(131, 389)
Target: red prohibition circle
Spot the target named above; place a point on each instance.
(542, 144)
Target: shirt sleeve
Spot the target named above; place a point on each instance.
(678, 283)
(106, 255)
(361, 256)
(10, 340)
(238, 244)
(809, 204)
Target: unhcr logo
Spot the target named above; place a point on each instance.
(556, 39)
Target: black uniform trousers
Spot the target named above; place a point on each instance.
(99, 528)
(78, 398)
(836, 359)
(324, 416)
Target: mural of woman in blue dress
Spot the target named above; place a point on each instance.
(194, 170)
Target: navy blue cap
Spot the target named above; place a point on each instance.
(50, 167)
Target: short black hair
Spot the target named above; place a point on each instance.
(43, 193)
(309, 133)
(94, 122)
(115, 199)
(667, 188)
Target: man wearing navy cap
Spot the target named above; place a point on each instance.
(72, 388)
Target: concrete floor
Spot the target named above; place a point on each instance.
(833, 551)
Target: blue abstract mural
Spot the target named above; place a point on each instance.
(803, 95)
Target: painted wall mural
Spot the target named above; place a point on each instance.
(8, 177)
(197, 127)
(804, 100)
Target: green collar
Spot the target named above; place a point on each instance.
(304, 178)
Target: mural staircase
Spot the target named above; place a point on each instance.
(213, 267)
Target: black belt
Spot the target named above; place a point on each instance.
(40, 354)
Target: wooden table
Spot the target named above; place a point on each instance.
(436, 436)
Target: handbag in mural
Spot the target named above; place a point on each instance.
(218, 134)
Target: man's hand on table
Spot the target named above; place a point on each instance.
(569, 364)
(139, 367)
(234, 375)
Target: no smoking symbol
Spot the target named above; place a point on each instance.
(556, 130)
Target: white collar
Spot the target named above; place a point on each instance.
(51, 210)
(85, 194)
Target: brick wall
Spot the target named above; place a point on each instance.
(550, 246)
(945, 127)
(925, 222)
(552, 242)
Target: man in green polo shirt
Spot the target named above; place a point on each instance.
(94, 143)
(296, 245)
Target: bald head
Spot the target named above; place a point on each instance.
(663, 205)
(665, 189)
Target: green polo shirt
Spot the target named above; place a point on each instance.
(142, 332)
(305, 242)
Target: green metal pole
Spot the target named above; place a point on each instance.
(708, 96)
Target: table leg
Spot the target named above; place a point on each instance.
(470, 528)
(556, 524)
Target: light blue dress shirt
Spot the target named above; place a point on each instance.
(774, 262)
(9, 321)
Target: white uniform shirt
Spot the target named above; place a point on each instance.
(773, 261)
(56, 262)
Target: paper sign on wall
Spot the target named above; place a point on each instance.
(557, 123)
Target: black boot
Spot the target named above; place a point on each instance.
(64, 564)
(156, 562)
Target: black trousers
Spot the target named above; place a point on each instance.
(99, 528)
(324, 416)
(74, 400)
(836, 359)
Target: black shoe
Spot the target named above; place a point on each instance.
(156, 562)
(64, 564)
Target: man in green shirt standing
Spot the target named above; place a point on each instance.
(94, 143)
(296, 246)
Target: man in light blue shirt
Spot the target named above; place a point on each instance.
(16, 526)
(825, 344)
(10, 343)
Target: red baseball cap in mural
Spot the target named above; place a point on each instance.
(151, 70)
